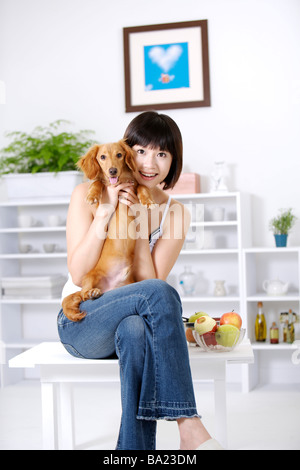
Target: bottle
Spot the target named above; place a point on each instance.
(290, 333)
(274, 334)
(260, 324)
(187, 281)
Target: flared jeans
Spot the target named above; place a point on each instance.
(142, 324)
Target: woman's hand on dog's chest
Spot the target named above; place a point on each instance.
(111, 193)
(128, 196)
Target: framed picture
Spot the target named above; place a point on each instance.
(166, 66)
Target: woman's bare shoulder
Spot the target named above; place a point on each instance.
(181, 210)
(78, 202)
(80, 191)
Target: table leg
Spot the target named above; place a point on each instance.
(66, 416)
(49, 416)
(221, 407)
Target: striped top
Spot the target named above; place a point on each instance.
(156, 234)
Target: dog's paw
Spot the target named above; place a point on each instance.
(147, 203)
(151, 205)
(93, 294)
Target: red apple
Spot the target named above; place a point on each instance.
(210, 339)
(231, 318)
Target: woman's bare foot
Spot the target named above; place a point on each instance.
(192, 433)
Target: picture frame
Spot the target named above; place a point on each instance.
(166, 66)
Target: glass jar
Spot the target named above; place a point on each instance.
(274, 334)
(187, 281)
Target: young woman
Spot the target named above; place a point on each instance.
(141, 322)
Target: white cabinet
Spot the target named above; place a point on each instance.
(24, 251)
(214, 251)
(273, 362)
(223, 251)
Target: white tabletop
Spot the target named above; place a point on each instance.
(49, 353)
(243, 353)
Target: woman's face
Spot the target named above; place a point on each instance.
(152, 165)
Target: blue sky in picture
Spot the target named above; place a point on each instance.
(166, 66)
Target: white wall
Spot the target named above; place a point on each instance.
(64, 59)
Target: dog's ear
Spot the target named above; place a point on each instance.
(129, 155)
(88, 163)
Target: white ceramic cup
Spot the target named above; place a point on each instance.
(208, 239)
(49, 247)
(24, 248)
(54, 220)
(218, 214)
(26, 220)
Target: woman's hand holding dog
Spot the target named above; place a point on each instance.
(128, 196)
(111, 196)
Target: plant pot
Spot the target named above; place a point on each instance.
(41, 185)
(281, 240)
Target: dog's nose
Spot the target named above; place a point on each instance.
(113, 171)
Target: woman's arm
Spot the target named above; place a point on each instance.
(83, 244)
(159, 263)
(87, 227)
(168, 247)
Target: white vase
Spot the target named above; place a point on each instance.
(219, 289)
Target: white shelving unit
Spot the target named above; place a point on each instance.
(24, 322)
(272, 362)
(214, 251)
(216, 255)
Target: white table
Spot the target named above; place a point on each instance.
(59, 370)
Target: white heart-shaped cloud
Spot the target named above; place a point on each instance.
(165, 58)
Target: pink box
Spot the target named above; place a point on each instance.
(188, 183)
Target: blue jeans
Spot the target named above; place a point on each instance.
(142, 324)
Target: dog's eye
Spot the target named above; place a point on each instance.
(119, 155)
(102, 157)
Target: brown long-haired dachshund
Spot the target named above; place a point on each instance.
(108, 164)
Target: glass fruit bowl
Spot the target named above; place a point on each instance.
(189, 328)
(213, 342)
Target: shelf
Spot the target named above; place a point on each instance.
(215, 195)
(274, 347)
(35, 202)
(33, 229)
(218, 251)
(18, 301)
(291, 249)
(222, 223)
(212, 298)
(273, 298)
(33, 255)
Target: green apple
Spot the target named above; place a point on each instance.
(196, 315)
(227, 335)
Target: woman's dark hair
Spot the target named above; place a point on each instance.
(158, 130)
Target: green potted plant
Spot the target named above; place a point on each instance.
(43, 163)
(281, 226)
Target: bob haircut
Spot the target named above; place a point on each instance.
(158, 130)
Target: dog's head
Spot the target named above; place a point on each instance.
(107, 162)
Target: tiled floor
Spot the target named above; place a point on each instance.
(266, 418)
